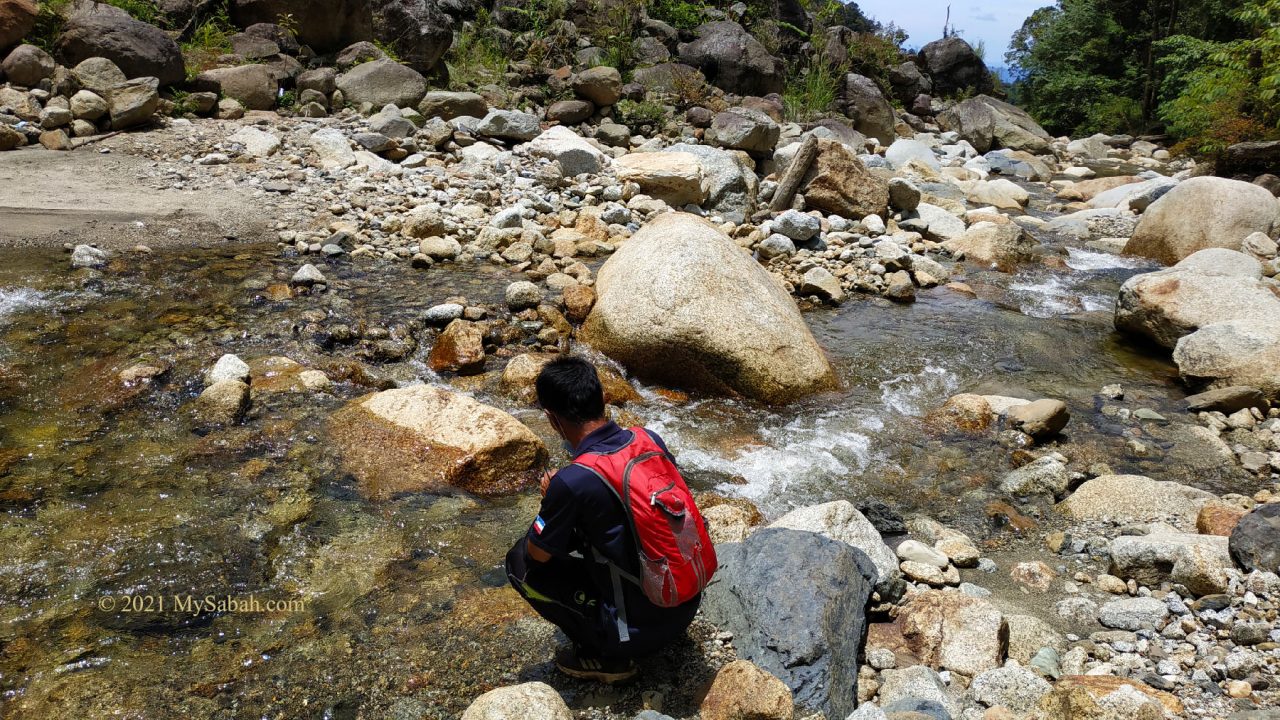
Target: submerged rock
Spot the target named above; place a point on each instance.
(680, 302)
(424, 439)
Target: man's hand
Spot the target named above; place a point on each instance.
(545, 482)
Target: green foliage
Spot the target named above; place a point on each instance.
(387, 49)
(210, 39)
(1219, 93)
(144, 10)
(1096, 65)
(812, 94)
(288, 23)
(535, 16)
(636, 114)
(288, 99)
(49, 23)
(478, 57)
(873, 53)
(678, 14)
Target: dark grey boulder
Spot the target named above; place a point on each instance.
(796, 604)
(419, 31)
(284, 39)
(325, 25)
(908, 81)
(871, 113)
(733, 60)
(1255, 543)
(953, 66)
(138, 49)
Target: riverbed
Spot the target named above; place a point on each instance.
(113, 502)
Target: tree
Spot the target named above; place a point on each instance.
(1090, 65)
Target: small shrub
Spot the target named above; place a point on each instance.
(388, 49)
(144, 10)
(812, 94)
(478, 57)
(210, 39)
(678, 14)
(636, 114)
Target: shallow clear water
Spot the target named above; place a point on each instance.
(106, 492)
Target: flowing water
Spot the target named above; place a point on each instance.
(111, 500)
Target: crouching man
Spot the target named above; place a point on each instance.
(619, 554)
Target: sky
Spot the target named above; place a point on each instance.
(992, 21)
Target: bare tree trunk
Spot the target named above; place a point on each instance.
(791, 179)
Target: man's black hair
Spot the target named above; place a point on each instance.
(569, 387)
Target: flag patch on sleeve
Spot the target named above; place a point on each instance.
(539, 525)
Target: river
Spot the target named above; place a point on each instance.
(110, 498)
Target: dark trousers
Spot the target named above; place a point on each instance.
(562, 592)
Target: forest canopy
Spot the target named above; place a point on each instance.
(1205, 71)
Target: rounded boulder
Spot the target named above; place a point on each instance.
(681, 303)
(1200, 213)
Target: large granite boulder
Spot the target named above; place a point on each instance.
(673, 177)
(1234, 352)
(1211, 286)
(381, 83)
(681, 303)
(253, 86)
(733, 60)
(987, 124)
(838, 183)
(423, 439)
(17, 18)
(871, 113)
(796, 605)
(448, 105)
(842, 522)
(1123, 499)
(729, 179)
(954, 67)
(1000, 245)
(744, 129)
(1198, 562)
(575, 154)
(325, 25)
(133, 102)
(139, 49)
(1246, 158)
(529, 701)
(27, 65)
(908, 82)
(419, 31)
(953, 631)
(1200, 213)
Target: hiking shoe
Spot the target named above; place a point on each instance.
(574, 663)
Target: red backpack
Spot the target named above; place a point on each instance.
(677, 557)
